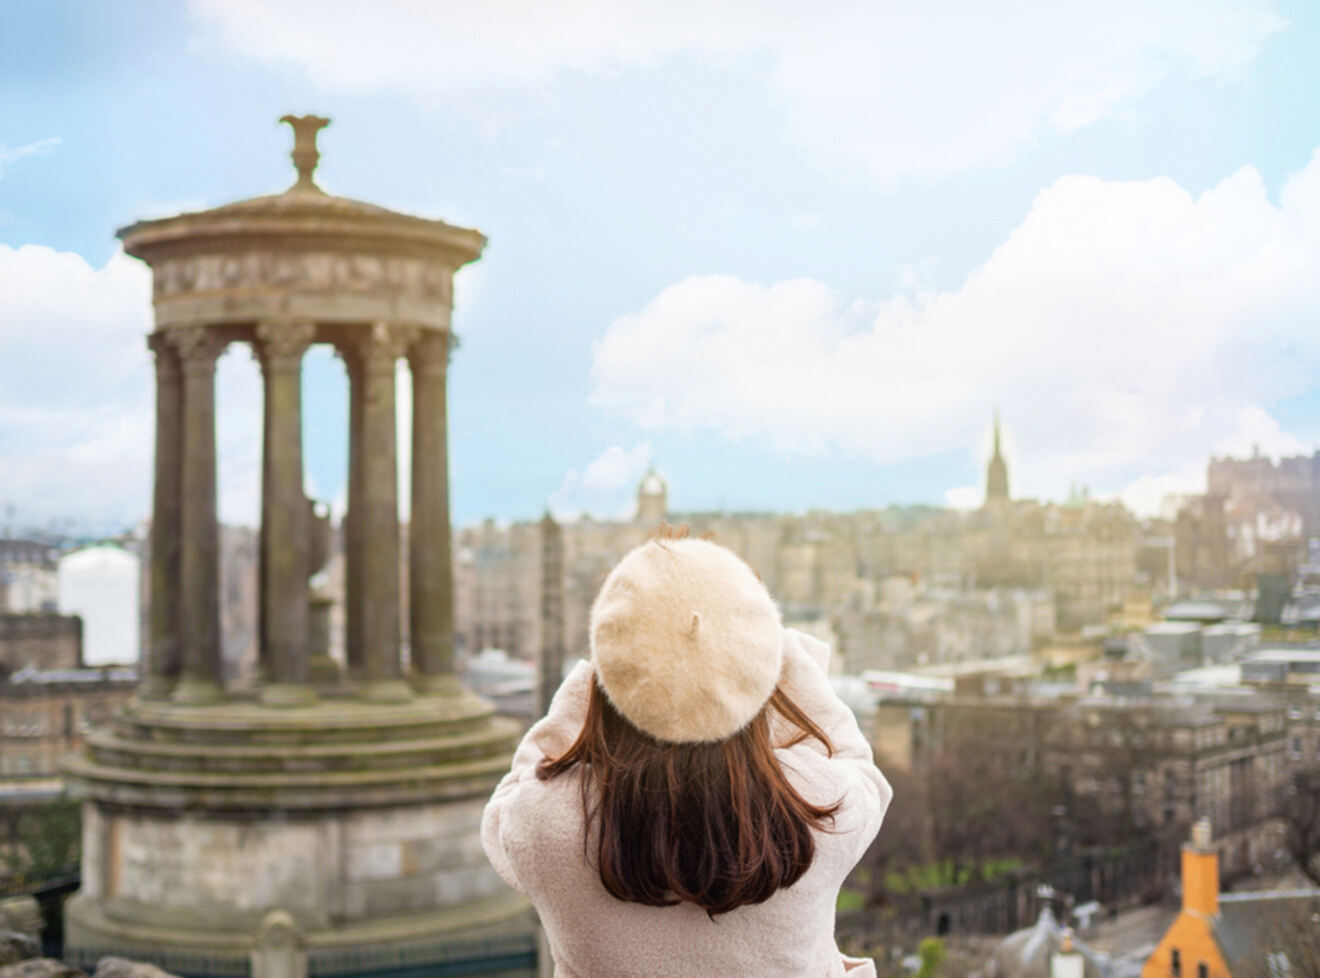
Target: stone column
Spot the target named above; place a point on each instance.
(377, 519)
(162, 666)
(430, 566)
(200, 678)
(353, 558)
(284, 517)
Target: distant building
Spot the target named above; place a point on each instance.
(652, 499)
(1292, 484)
(1138, 765)
(45, 714)
(1271, 934)
(101, 585)
(28, 579)
(996, 476)
(1254, 519)
(42, 641)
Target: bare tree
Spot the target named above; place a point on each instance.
(903, 843)
(985, 802)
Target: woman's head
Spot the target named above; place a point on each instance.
(685, 640)
(679, 773)
(716, 824)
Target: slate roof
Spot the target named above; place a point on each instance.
(1252, 927)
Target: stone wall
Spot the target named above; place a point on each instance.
(328, 871)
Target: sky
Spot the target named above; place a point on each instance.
(792, 255)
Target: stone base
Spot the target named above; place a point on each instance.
(504, 921)
(358, 819)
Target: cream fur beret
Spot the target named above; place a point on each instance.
(686, 641)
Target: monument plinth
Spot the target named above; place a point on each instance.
(348, 799)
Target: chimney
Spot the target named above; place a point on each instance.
(1067, 961)
(1200, 872)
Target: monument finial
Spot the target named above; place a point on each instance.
(305, 154)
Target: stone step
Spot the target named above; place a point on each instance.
(112, 749)
(265, 793)
(328, 722)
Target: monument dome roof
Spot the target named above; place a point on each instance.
(303, 216)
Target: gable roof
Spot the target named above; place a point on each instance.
(1251, 927)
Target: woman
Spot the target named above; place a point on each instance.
(696, 794)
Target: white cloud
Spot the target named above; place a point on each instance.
(1254, 430)
(606, 487)
(1123, 328)
(878, 91)
(77, 396)
(76, 407)
(9, 156)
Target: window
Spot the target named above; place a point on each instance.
(1296, 747)
(1294, 713)
(1202, 971)
(1175, 962)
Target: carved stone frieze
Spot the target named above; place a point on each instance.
(307, 269)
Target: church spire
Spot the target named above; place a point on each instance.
(996, 476)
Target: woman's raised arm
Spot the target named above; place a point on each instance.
(550, 736)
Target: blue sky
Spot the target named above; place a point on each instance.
(793, 255)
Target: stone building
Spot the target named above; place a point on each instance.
(996, 475)
(44, 641)
(1159, 765)
(1201, 550)
(1293, 484)
(652, 499)
(46, 714)
(1254, 518)
(100, 583)
(29, 581)
(1139, 766)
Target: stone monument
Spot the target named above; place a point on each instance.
(348, 800)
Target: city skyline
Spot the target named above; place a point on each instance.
(770, 324)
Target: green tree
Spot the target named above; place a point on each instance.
(931, 953)
(49, 841)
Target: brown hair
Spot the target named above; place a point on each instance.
(716, 824)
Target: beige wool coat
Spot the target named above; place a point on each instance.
(533, 833)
